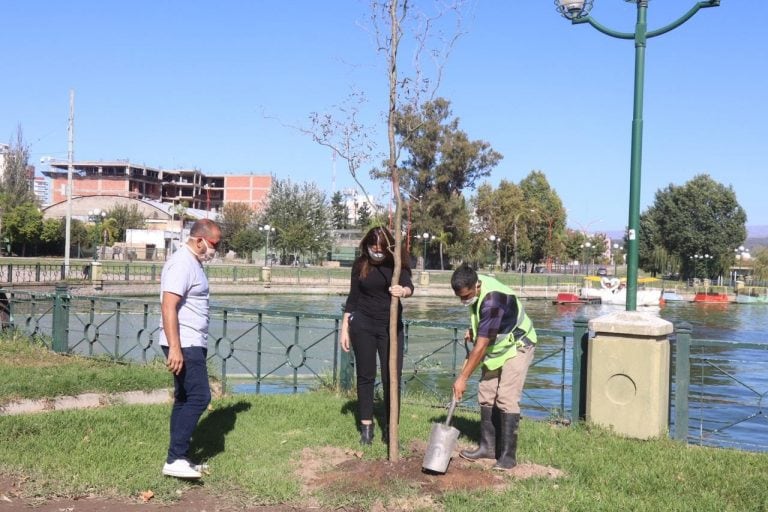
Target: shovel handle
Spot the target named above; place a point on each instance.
(450, 411)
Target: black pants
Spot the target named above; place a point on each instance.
(370, 338)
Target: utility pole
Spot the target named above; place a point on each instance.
(70, 164)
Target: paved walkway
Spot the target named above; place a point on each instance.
(86, 401)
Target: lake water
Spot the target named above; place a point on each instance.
(735, 322)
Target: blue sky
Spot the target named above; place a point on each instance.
(201, 83)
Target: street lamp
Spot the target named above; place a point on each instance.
(266, 228)
(577, 11)
(97, 216)
(426, 237)
(616, 248)
(742, 254)
(495, 240)
(585, 246)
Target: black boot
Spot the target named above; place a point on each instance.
(487, 448)
(366, 433)
(508, 448)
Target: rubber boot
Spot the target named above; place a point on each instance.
(487, 448)
(366, 433)
(507, 458)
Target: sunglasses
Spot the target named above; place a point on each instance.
(214, 245)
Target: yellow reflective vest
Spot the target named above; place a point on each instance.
(503, 348)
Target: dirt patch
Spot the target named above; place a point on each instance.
(341, 472)
(327, 470)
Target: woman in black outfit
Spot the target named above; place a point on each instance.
(365, 325)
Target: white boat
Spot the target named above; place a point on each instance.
(672, 296)
(614, 291)
(752, 295)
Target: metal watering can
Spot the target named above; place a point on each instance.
(442, 441)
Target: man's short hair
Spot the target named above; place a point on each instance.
(204, 228)
(463, 277)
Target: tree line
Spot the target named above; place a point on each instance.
(442, 177)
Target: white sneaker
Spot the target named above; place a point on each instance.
(181, 468)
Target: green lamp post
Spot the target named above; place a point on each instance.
(578, 12)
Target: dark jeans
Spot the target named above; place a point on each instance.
(370, 338)
(191, 394)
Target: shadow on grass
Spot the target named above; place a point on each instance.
(210, 435)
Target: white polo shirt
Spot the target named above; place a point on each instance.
(183, 275)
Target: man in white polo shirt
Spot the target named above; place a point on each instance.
(184, 340)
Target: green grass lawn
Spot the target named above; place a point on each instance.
(253, 444)
(30, 370)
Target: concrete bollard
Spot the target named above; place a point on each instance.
(628, 374)
(97, 275)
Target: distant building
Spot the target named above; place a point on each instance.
(4, 148)
(189, 187)
(41, 188)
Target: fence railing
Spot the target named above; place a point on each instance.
(254, 350)
(717, 394)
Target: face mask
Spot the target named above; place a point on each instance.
(376, 257)
(209, 252)
(471, 302)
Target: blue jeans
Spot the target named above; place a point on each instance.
(191, 394)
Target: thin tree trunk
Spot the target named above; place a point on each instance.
(394, 382)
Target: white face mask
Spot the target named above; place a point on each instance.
(471, 302)
(376, 257)
(210, 252)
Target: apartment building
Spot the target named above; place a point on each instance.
(190, 187)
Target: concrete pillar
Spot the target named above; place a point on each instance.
(97, 275)
(424, 278)
(628, 374)
(266, 274)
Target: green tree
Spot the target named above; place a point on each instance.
(23, 225)
(52, 235)
(15, 179)
(440, 156)
(246, 241)
(573, 242)
(503, 212)
(364, 216)
(125, 217)
(701, 217)
(547, 227)
(301, 216)
(760, 264)
(234, 218)
(440, 162)
(339, 212)
(79, 236)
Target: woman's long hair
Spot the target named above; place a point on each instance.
(383, 238)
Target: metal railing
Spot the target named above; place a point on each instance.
(718, 389)
(255, 350)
